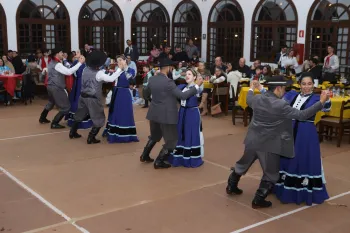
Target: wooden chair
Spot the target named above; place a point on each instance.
(238, 111)
(338, 123)
(221, 93)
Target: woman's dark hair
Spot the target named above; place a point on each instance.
(307, 75)
(3, 63)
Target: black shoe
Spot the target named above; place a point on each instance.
(57, 126)
(160, 161)
(56, 120)
(43, 119)
(145, 158)
(91, 139)
(232, 184)
(260, 203)
(261, 194)
(73, 131)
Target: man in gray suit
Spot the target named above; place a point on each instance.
(163, 112)
(270, 135)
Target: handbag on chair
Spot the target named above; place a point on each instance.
(216, 109)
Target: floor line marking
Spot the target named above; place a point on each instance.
(43, 200)
(285, 214)
(146, 202)
(44, 134)
(47, 227)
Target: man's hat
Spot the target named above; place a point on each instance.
(96, 59)
(278, 81)
(166, 62)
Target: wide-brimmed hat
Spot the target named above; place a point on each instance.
(278, 81)
(166, 62)
(96, 59)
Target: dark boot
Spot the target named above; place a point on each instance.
(55, 122)
(232, 184)
(73, 131)
(260, 195)
(160, 160)
(146, 104)
(91, 139)
(145, 158)
(43, 119)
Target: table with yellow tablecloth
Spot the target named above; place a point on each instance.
(208, 85)
(334, 112)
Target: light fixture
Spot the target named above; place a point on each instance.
(195, 38)
(318, 37)
(236, 35)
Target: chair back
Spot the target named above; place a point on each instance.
(345, 107)
(221, 94)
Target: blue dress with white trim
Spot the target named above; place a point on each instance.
(189, 150)
(120, 126)
(74, 96)
(302, 178)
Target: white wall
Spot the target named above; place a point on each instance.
(127, 7)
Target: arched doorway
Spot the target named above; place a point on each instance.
(3, 31)
(225, 31)
(329, 23)
(149, 26)
(187, 24)
(101, 25)
(42, 24)
(274, 24)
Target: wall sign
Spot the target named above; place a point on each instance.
(301, 33)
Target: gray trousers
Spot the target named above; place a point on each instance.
(92, 107)
(269, 162)
(58, 97)
(166, 131)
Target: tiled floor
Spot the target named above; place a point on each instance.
(105, 189)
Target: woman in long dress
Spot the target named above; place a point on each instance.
(121, 125)
(74, 98)
(189, 150)
(301, 178)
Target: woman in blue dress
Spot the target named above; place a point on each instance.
(189, 150)
(121, 125)
(74, 98)
(301, 178)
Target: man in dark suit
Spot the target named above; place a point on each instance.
(163, 112)
(281, 54)
(270, 135)
(131, 51)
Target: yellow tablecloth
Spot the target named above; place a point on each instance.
(208, 85)
(335, 110)
(242, 98)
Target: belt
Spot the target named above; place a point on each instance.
(84, 95)
(114, 94)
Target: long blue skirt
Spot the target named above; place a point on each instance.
(120, 126)
(302, 178)
(74, 100)
(189, 150)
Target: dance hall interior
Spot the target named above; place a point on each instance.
(174, 116)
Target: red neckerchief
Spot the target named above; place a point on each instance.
(328, 58)
(56, 59)
(144, 75)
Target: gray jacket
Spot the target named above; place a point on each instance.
(163, 108)
(271, 128)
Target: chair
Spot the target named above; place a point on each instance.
(3, 92)
(221, 94)
(339, 123)
(238, 109)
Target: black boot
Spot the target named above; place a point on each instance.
(160, 160)
(55, 122)
(260, 195)
(43, 119)
(145, 158)
(73, 131)
(146, 104)
(232, 184)
(91, 139)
